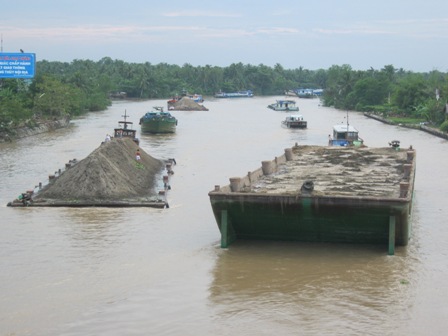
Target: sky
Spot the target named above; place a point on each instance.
(407, 34)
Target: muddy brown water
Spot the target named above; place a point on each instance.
(143, 271)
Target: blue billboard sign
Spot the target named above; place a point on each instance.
(17, 65)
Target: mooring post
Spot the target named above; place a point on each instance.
(288, 154)
(391, 235)
(224, 230)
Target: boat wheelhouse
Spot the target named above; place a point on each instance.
(125, 129)
(345, 135)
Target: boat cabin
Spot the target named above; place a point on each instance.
(294, 117)
(344, 135)
(295, 121)
(284, 105)
(125, 130)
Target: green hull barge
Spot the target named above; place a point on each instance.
(158, 121)
(322, 194)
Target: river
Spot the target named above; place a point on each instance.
(143, 271)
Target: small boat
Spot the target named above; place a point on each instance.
(124, 130)
(197, 98)
(305, 93)
(294, 121)
(239, 94)
(158, 121)
(284, 105)
(290, 93)
(345, 135)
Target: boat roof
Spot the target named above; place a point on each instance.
(343, 128)
(295, 116)
(286, 101)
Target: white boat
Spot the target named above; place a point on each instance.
(295, 121)
(284, 105)
(305, 93)
(345, 135)
(290, 93)
(239, 94)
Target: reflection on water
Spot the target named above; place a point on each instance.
(310, 286)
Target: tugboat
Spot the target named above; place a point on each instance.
(345, 135)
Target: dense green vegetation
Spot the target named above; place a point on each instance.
(71, 89)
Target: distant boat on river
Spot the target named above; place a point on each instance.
(158, 121)
(284, 105)
(295, 121)
(305, 93)
(239, 94)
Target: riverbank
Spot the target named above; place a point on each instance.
(425, 128)
(42, 127)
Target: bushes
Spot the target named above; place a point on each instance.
(444, 126)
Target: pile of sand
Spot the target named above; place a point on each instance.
(187, 104)
(111, 172)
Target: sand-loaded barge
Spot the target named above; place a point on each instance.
(322, 194)
(116, 174)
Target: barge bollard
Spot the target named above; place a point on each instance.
(288, 154)
(407, 170)
(235, 184)
(404, 188)
(266, 167)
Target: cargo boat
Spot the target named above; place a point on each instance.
(321, 194)
(158, 121)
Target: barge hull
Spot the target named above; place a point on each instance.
(311, 219)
